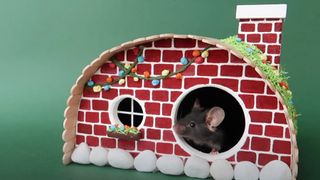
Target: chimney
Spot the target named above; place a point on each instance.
(261, 25)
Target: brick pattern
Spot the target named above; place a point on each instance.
(268, 136)
(264, 33)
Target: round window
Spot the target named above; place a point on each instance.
(229, 135)
(129, 112)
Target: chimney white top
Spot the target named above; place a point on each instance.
(261, 11)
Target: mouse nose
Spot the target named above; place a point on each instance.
(179, 129)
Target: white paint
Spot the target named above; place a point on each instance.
(196, 167)
(246, 170)
(191, 150)
(113, 109)
(221, 170)
(81, 154)
(120, 158)
(275, 170)
(261, 11)
(170, 164)
(145, 161)
(99, 156)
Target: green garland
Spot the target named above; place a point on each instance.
(278, 78)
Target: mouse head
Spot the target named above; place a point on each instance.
(199, 121)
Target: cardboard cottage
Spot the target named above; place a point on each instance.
(131, 96)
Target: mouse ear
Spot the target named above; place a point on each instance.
(214, 117)
(196, 105)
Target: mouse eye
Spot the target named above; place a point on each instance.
(192, 124)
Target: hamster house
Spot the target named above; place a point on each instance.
(131, 95)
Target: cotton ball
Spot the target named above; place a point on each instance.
(170, 164)
(120, 158)
(275, 170)
(145, 161)
(197, 167)
(81, 154)
(99, 156)
(246, 170)
(221, 170)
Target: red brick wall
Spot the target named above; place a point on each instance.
(265, 34)
(268, 136)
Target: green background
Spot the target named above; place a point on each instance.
(44, 45)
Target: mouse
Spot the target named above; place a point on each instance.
(201, 126)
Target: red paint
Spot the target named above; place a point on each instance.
(260, 144)
(172, 83)
(162, 122)
(274, 131)
(190, 82)
(80, 116)
(255, 129)
(111, 94)
(163, 43)
(251, 86)
(153, 133)
(88, 92)
(246, 156)
(248, 100)
(105, 118)
(179, 151)
(190, 71)
(166, 148)
(132, 83)
(246, 27)
(270, 38)
(171, 56)
(251, 72)
(274, 49)
(280, 118)
(158, 68)
(108, 142)
(230, 83)
(141, 68)
(267, 102)
(207, 70)
(92, 141)
(166, 109)
(283, 147)
(264, 27)
(253, 38)
(100, 130)
(126, 91)
(85, 104)
(218, 56)
(231, 70)
(266, 158)
(99, 79)
(92, 117)
(149, 121)
(79, 139)
(184, 43)
(168, 136)
(175, 95)
(146, 145)
(152, 55)
(105, 68)
(126, 144)
(261, 116)
(142, 94)
(152, 108)
(99, 105)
